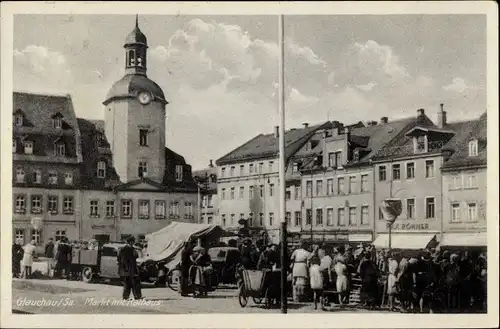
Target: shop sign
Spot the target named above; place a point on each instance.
(410, 226)
(102, 226)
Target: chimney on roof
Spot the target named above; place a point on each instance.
(305, 124)
(441, 116)
(211, 164)
(372, 123)
(384, 120)
(276, 131)
(420, 112)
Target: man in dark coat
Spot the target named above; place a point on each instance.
(246, 254)
(49, 248)
(17, 256)
(185, 265)
(63, 259)
(128, 271)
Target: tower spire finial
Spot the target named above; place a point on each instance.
(137, 20)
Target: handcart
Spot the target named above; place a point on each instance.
(261, 286)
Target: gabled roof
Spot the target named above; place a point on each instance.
(263, 146)
(459, 144)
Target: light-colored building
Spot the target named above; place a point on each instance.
(207, 183)
(104, 179)
(465, 186)
(247, 179)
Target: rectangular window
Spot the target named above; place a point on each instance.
(261, 191)
(28, 147)
(18, 119)
(68, 206)
(364, 183)
(396, 172)
(380, 214)
(210, 201)
(341, 216)
(126, 208)
(94, 208)
(19, 235)
(473, 148)
(144, 209)
(429, 168)
(36, 204)
(456, 182)
(68, 178)
(352, 184)
(242, 170)
(271, 219)
(251, 168)
(231, 171)
(288, 194)
(223, 172)
(210, 219)
(410, 208)
(143, 137)
(309, 187)
(421, 144)
(36, 235)
(382, 174)
(352, 216)
(295, 168)
(329, 186)
(298, 219)
(471, 181)
(340, 185)
(110, 208)
(101, 169)
(232, 220)
(261, 219)
(472, 212)
(271, 189)
(223, 220)
(365, 215)
(60, 234)
(331, 159)
(223, 194)
(297, 192)
(37, 176)
(250, 219)
(288, 218)
(189, 209)
(338, 159)
(271, 166)
(232, 193)
(309, 215)
(410, 170)
(319, 217)
(329, 217)
(174, 209)
(430, 208)
(242, 192)
(142, 169)
(52, 178)
(261, 167)
(20, 206)
(319, 188)
(52, 204)
(160, 212)
(455, 212)
(250, 193)
(60, 150)
(178, 173)
(20, 175)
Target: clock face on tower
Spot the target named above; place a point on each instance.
(144, 97)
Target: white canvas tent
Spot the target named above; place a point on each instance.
(167, 243)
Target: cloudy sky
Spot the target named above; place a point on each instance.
(219, 73)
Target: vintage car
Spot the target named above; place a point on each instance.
(225, 261)
(102, 263)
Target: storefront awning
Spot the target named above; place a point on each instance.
(404, 241)
(360, 237)
(476, 239)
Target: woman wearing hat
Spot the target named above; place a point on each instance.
(27, 261)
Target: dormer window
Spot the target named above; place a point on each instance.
(18, 120)
(60, 149)
(473, 149)
(295, 168)
(20, 175)
(420, 144)
(356, 155)
(28, 147)
(57, 122)
(101, 169)
(178, 173)
(99, 139)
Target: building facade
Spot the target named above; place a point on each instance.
(207, 183)
(106, 179)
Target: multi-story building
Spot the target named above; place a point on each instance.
(464, 186)
(409, 168)
(338, 181)
(102, 179)
(207, 183)
(247, 179)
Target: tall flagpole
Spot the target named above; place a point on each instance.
(283, 239)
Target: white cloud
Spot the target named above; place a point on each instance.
(366, 87)
(457, 85)
(304, 52)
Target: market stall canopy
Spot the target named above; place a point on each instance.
(167, 243)
(404, 241)
(478, 239)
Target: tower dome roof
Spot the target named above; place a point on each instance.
(136, 36)
(131, 85)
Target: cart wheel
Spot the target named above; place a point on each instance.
(257, 300)
(173, 279)
(87, 274)
(242, 298)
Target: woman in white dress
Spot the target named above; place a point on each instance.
(299, 270)
(393, 267)
(342, 280)
(27, 261)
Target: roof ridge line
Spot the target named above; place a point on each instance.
(239, 147)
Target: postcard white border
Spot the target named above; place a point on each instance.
(320, 320)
